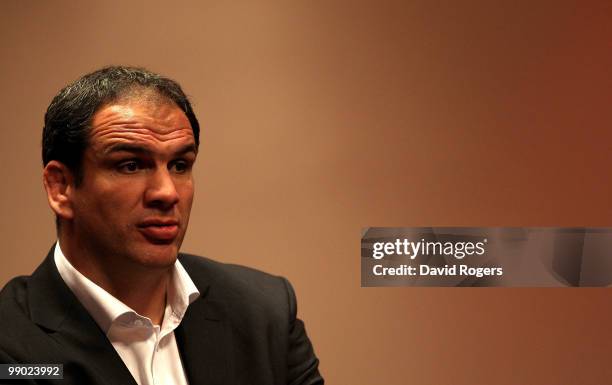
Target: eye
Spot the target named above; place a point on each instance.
(179, 166)
(129, 167)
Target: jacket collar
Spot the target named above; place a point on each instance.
(202, 337)
(54, 307)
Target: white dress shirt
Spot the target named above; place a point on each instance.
(149, 351)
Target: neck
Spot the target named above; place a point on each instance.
(141, 288)
(146, 296)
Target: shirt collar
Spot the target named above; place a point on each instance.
(105, 308)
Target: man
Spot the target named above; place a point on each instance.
(114, 301)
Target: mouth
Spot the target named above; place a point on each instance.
(159, 230)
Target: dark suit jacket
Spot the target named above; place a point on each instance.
(241, 330)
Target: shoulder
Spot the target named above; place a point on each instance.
(214, 271)
(235, 281)
(15, 319)
(13, 298)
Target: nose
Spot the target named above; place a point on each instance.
(161, 191)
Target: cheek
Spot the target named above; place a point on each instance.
(187, 197)
(114, 200)
(185, 190)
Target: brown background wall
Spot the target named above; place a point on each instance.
(320, 118)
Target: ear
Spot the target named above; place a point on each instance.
(59, 184)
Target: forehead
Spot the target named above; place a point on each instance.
(144, 121)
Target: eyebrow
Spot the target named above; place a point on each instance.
(136, 149)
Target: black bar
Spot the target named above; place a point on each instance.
(31, 371)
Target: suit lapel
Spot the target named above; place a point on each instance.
(203, 340)
(54, 307)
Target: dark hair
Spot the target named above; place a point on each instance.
(68, 117)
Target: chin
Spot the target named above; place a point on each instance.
(158, 256)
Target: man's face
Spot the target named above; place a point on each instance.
(135, 197)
